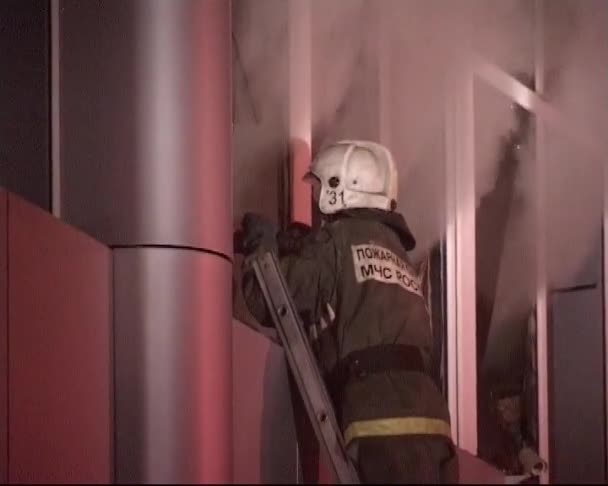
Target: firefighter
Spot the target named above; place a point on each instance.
(362, 299)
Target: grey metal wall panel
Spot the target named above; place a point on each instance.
(173, 338)
(145, 121)
(97, 116)
(590, 272)
(577, 416)
(60, 420)
(24, 98)
(265, 442)
(3, 339)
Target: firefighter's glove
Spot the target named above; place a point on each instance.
(258, 234)
(532, 463)
(291, 240)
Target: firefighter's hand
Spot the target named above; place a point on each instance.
(257, 231)
(532, 463)
(291, 240)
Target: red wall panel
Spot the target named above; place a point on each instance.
(475, 471)
(265, 443)
(59, 345)
(3, 341)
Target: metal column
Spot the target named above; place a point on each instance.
(541, 248)
(300, 133)
(55, 113)
(385, 58)
(460, 243)
(300, 106)
(146, 168)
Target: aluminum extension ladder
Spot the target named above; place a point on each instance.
(304, 367)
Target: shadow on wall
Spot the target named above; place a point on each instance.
(258, 158)
(279, 453)
(264, 425)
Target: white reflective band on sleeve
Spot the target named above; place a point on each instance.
(374, 262)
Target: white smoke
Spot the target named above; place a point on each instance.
(422, 38)
(576, 44)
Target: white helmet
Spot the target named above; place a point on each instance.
(355, 174)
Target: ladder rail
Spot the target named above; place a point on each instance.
(304, 366)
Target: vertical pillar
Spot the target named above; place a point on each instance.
(55, 114)
(146, 166)
(605, 289)
(451, 122)
(300, 140)
(300, 132)
(466, 275)
(541, 249)
(461, 300)
(384, 77)
(300, 106)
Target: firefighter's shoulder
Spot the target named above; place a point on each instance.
(322, 235)
(330, 231)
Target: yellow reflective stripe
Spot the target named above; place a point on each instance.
(397, 426)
